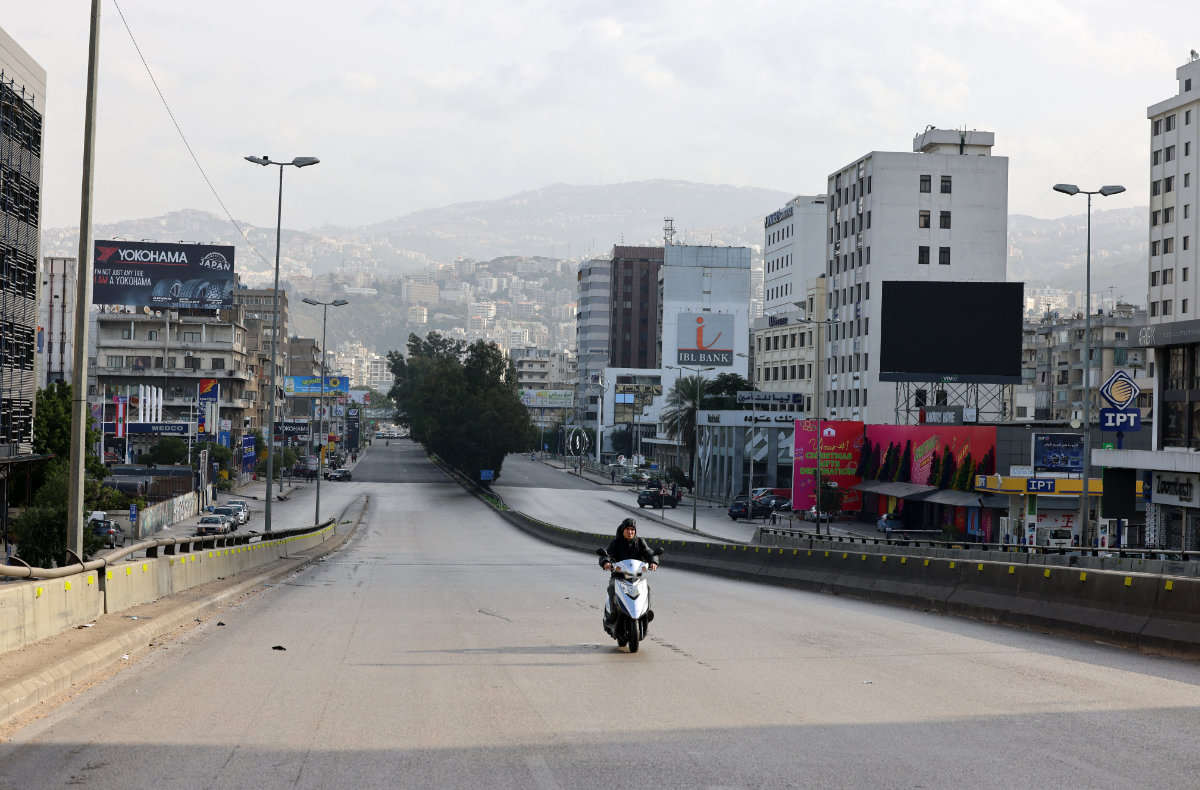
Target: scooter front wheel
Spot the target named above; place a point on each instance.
(633, 632)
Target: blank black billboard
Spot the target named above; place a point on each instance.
(937, 331)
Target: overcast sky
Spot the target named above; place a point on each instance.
(413, 105)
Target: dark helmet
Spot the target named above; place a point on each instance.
(627, 523)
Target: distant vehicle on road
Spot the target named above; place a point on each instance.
(110, 531)
(656, 497)
(212, 525)
(889, 521)
(339, 474)
(744, 507)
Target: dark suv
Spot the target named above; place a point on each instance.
(110, 532)
(656, 497)
(743, 507)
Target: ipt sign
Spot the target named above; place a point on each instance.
(1121, 391)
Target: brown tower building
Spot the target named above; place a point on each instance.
(633, 326)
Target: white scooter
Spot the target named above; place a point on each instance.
(628, 623)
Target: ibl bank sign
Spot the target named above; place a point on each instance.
(705, 339)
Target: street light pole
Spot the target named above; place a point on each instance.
(321, 453)
(818, 399)
(754, 435)
(300, 161)
(1086, 510)
(696, 427)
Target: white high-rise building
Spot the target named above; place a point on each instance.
(592, 332)
(938, 214)
(794, 251)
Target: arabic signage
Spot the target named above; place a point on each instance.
(767, 398)
(161, 275)
(311, 385)
(1057, 453)
(838, 447)
(705, 339)
(547, 399)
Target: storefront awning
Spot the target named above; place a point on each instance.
(901, 490)
(954, 498)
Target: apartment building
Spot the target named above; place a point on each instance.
(938, 214)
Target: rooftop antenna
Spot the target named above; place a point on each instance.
(668, 231)
(1195, 55)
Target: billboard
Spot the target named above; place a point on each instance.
(208, 392)
(955, 332)
(979, 443)
(1057, 453)
(547, 399)
(705, 339)
(311, 385)
(162, 275)
(840, 447)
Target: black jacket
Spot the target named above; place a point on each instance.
(621, 549)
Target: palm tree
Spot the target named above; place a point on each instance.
(679, 414)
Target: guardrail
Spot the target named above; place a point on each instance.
(61, 598)
(1150, 612)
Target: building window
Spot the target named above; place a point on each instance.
(126, 334)
(945, 220)
(1155, 188)
(1185, 246)
(1153, 279)
(1168, 246)
(217, 364)
(945, 185)
(923, 255)
(1169, 153)
(170, 363)
(1168, 276)
(1153, 309)
(926, 183)
(1168, 215)
(1168, 184)
(1155, 216)
(944, 256)
(1166, 307)
(1157, 127)
(1187, 179)
(1154, 248)
(1183, 305)
(1156, 157)
(1187, 148)
(115, 361)
(923, 219)
(191, 337)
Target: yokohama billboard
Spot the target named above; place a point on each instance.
(152, 274)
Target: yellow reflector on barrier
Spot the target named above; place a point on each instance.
(845, 555)
(108, 575)
(1046, 573)
(980, 567)
(864, 558)
(1128, 581)
(145, 568)
(38, 594)
(903, 560)
(1170, 585)
(1012, 569)
(926, 563)
(91, 580)
(128, 570)
(1083, 576)
(952, 564)
(67, 586)
(883, 558)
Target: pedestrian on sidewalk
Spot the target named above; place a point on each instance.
(612, 476)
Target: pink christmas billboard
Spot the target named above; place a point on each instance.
(978, 443)
(840, 446)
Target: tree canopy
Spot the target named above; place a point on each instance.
(460, 402)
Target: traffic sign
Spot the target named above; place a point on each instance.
(1120, 390)
(1120, 419)
(487, 474)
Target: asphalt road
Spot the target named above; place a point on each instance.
(441, 648)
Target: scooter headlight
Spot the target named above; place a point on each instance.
(629, 589)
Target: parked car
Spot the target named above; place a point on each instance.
(339, 474)
(744, 507)
(634, 477)
(232, 514)
(244, 505)
(656, 497)
(775, 501)
(811, 515)
(110, 532)
(889, 521)
(212, 525)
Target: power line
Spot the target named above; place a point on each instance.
(183, 137)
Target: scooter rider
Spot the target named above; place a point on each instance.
(626, 546)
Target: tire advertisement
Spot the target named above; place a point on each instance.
(162, 275)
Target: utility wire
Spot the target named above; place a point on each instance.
(183, 137)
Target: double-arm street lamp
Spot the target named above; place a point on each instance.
(300, 161)
(696, 424)
(321, 453)
(1085, 512)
